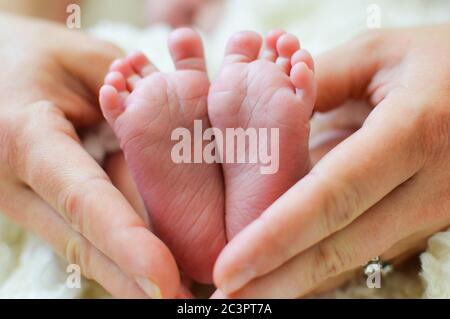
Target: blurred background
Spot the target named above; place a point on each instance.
(94, 10)
(134, 12)
(208, 13)
(320, 24)
(324, 21)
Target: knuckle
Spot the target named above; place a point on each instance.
(30, 126)
(39, 84)
(329, 261)
(273, 239)
(74, 202)
(72, 207)
(21, 139)
(337, 212)
(278, 245)
(78, 252)
(35, 117)
(435, 140)
(411, 133)
(339, 203)
(6, 147)
(426, 129)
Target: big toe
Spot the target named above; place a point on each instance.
(243, 47)
(187, 51)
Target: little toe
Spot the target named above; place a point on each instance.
(270, 51)
(302, 77)
(123, 66)
(287, 45)
(111, 103)
(303, 56)
(243, 47)
(186, 48)
(141, 64)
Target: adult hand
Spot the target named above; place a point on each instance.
(48, 183)
(382, 190)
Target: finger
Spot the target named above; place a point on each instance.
(89, 59)
(371, 235)
(218, 295)
(86, 65)
(54, 164)
(345, 183)
(29, 211)
(117, 169)
(345, 71)
(184, 293)
(79, 108)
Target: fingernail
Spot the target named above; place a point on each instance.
(218, 295)
(149, 287)
(238, 280)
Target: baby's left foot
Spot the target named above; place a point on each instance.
(276, 91)
(145, 107)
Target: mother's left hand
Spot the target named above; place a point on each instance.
(380, 192)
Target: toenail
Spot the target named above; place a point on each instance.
(134, 79)
(239, 279)
(148, 69)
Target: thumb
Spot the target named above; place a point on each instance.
(345, 72)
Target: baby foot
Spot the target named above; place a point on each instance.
(144, 106)
(275, 91)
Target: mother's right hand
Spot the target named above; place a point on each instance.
(49, 81)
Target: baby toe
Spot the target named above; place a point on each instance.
(303, 56)
(270, 50)
(302, 77)
(116, 80)
(141, 64)
(287, 45)
(123, 66)
(243, 47)
(112, 103)
(186, 48)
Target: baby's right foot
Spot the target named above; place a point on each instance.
(273, 92)
(144, 106)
